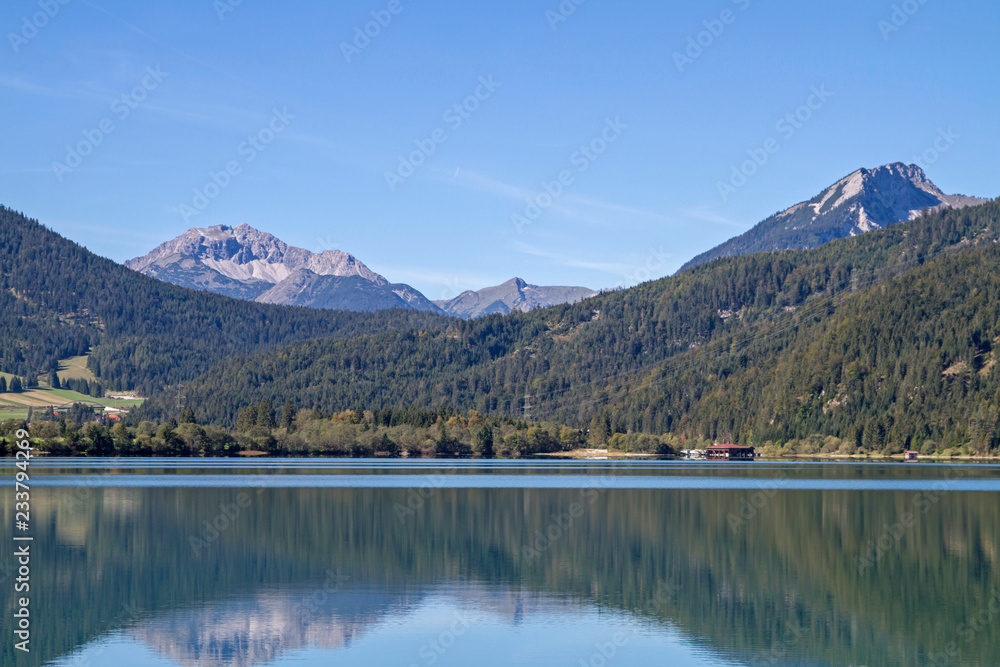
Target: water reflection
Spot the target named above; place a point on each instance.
(766, 576)
(257, 629)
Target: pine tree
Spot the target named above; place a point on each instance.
(187, 416)
(482, 442)
(265, 414)
(54, 380)
(15, 385)
(600, 429)
(3, 385)
(386, 445)
(246, 419)
(288, 416)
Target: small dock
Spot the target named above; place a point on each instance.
(730, 453)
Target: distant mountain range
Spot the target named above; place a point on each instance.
(252, 265)
(863, 201)
(245, 263)
(249, 264)
(513, 296)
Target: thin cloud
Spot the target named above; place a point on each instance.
(614, 268)
(158, 42)
(620, 208)
(482, 183)
(706, 215)
(31, 88)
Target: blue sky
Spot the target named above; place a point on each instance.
(592, 94)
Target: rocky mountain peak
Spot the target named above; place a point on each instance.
(862, 201)
(514, 295)
(246, 263)
(244, 254)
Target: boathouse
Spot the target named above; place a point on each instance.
(729, 452)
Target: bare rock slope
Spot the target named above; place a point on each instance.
(865, 200)
(513, 295)
(246, 263)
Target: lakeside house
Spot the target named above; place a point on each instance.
(730, 452)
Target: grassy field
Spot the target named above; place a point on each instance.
(75, 368)
(13, 414)
(15, 406)
(44, 397)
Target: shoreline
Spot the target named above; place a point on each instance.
(610, 455)
(893, 457)
(589, 454)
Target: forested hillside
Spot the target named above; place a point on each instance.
(58, 300)
(870, 339)
(909, 363)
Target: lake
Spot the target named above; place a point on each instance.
(418, 563)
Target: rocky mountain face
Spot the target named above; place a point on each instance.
(865, 200)
(513, 295)
(245, 263)
(305, 288)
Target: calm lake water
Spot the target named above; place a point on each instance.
(421, 563)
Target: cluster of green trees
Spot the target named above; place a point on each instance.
(355, 433)
(16, 385)
(80, 386)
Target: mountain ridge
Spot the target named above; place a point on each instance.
(515, 295)
(246, 263)
(244, 253)
(865, 200)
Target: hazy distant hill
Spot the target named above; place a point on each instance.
(245, 263)
(513, 295)
(861, 202)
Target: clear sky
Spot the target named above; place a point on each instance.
(308, 129)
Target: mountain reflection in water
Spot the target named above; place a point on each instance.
(536, 576)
